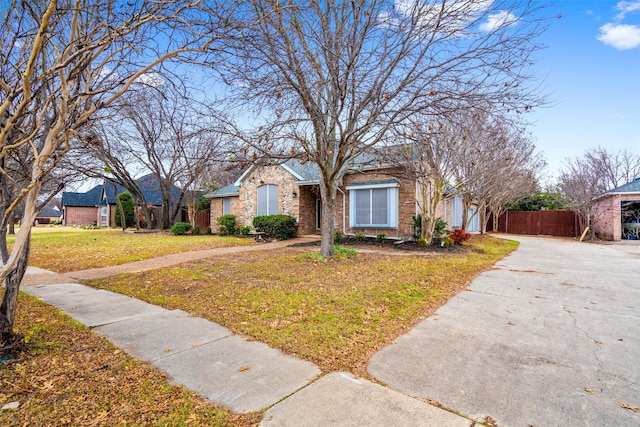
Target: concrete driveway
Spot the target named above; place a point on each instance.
(549, 337)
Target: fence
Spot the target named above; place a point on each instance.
(202, 220)
(551, 223)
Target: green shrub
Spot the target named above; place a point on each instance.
(128, 207)
(279, 227)
(227, 225)
(360, 237)
(244, 230)
(381, 238)
(440, 228)
(181, 228)
(446, 242)
(195, 231)
(422, 243)
(208, 231)
(338, 236)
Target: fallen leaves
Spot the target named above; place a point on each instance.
(244, 368)
(590, 390)
(630, 407)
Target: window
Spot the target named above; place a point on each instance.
(103, 215)
(373, 205)
(456, 212)
(267, 199)
(226, 206)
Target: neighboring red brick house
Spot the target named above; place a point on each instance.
(98, 205)
(619, 213)
(372, 200)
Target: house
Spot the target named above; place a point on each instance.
(374, 199)
(49, 213)
(98, 205)
(619, 213)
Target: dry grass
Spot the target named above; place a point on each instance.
(71, 376)
(334, 312)
(68, 249)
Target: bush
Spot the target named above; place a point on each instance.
(195, 231)
(360, 237)
(128, 207)
(459, 235)
(244, 230)
(338, 236)
(440, 228)
(208, 231)
(279, 227)
(381, 238)
(227, 225)
(181, 228)
(447, 242)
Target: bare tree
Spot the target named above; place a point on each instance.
(329, 79)
(173, 134)
(497, 166)
(597, 171)
(61, 63)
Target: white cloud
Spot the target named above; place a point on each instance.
(497, 20)
(627, 7)
(620, 36)
(151, 79)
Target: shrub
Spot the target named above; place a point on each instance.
(459, 235)
(446, 242)
(195, 230)
(128, 206)
(360, 237)
(338, 236)
(381, 237)
(208, 231)
(422, 243)
(440, 228)
(279, 227)
(181, 228)
(244, 230)
(227, 225)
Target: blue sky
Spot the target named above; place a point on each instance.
(591, 72)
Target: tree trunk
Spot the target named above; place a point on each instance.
(10, 298)
(123, 219)
(328, 193)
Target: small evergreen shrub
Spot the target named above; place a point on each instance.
(381, 237)
(208, 231)
(227, 225)
(446, 242)
(181, 228)
(459, 235)
(422, 243)
(338, 236)
(440, 228)
(279, 227)
(195, 231)
(244, 230)
(128, 206)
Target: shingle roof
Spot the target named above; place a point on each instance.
(148, 185)
(631, 187)
(90, 198)
(226, 191)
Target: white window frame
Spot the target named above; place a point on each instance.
(270, 209)
(103, 215)
(391, 201)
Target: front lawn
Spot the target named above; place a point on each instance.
(72, 376)
(70, 249)
(334, 312)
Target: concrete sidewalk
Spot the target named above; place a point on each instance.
(244, 376)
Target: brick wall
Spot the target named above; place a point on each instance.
(406, 204)
(74, 215)
(608, 224)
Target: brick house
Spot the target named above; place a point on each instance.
(372, 200)
(98, 205)
(619, 213)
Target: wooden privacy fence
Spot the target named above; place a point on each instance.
(550, 223)
(202, 220)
